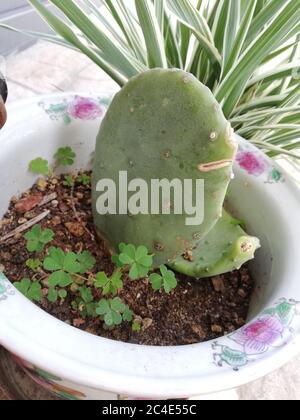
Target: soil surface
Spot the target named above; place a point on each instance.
(196, 311)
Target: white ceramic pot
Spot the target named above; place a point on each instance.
(75, 364)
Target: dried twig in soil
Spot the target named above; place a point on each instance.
(25, 226)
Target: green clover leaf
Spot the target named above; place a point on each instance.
(65, 156)
(86, 260)
(166, 280)
(113, 311)
(84, 179)
(38, 238)
(86, 294)
(109, 285)
(33, 264)
(138, 259)
(31, 290)
(69, 181)
(40, 166)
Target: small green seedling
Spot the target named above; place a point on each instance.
(166, 280)
(32, 290)
(109, 285)
(65, 156)
(137, 260)
(34, 264)
(136, 326)
(84, 179)
(113, 311)
(69, 181)
(38, 238)
(40, 166)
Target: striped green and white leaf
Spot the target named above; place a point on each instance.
(246, 51)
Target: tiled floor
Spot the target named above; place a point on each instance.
(46, 68)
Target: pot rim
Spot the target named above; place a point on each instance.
(92, 369)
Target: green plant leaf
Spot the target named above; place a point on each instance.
(71, 37)
(86, 261)
(55, 259)
(71, 265)
(31, 290)
(189, 16)
(152, 34)
(62, 294)
(69, 181)
(60, 278)
(39, 166)
(38, 238)
(115, 55)
(65, 156)
(84, 179)
(52, 295)
(156, 281)
(86, 294)
(33, 264)
(167, 280)
(103, 307)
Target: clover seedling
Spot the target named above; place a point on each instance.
(113, 311)
(32, 290)
(62, 265)
(65, 156)
(109, 285)
(69, 181)
(84, 179)
(136, 326)
(166, 280)
(40, 166)
(137, 260)
(38, 238)
(33, 264)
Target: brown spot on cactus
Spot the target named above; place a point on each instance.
(167, 154)
(246, 246)
(158, 246)
(214, 166)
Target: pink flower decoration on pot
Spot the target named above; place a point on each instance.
(257, 337)
(253, 163)
(84, 109)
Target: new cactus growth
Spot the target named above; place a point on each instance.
(164, 124)
(226, 248)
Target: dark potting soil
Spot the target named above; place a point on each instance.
(196, 311)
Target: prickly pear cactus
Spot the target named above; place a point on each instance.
(164, 124)
(226, 248)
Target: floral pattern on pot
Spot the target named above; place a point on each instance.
(76, 108)
(49, 381)
(268, 332)
(6, 289)
(255, 163)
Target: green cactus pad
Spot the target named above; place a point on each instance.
(164, 124)
(226, 248)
